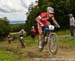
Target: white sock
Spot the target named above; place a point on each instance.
(40, 44)
(45, 39)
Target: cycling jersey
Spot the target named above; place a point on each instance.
(44, 16)
(44, 19)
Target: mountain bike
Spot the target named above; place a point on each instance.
(50, 38)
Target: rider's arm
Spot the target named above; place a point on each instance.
(38, 19)
(54, 21)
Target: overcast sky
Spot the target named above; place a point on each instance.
(14, 9)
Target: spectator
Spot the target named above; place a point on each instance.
(33, 32)
(72, 24)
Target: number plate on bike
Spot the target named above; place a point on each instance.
(51, 27)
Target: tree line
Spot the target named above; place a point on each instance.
(6, 28)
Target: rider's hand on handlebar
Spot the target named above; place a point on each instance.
(58, 26)
(42, 25)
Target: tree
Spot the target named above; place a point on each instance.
(16, 27)
(4, 27)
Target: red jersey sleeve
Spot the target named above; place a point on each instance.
(43, 15)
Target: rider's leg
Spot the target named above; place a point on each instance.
(46, 23)
(40, 35)
(22, 43)
(40, 41)
(41, 45)
(46, 39)
(40, 38)
(72, 30)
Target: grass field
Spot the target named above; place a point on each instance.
(14, 52)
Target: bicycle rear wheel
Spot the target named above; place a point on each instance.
(52, 44)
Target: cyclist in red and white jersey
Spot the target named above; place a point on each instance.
(42, 20)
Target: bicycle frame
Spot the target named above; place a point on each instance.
(46, 32)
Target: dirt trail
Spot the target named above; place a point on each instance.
(62, 55)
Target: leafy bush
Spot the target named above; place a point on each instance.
(4, 27)
(16, 27)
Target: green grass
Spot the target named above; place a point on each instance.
(30, 42)
(64, 32)
(67, 43)
(6, 56)
(10, 56)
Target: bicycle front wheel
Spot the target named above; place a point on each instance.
(52, 44)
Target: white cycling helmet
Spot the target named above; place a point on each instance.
(50, 10)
